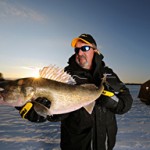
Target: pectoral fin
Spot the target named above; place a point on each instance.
(40, 109)
(89, 108)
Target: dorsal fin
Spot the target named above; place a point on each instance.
(56, 73)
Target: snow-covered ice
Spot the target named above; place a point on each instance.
(17, 133)
(134, 126)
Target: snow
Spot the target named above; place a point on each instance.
(18, 133)
(133, 127)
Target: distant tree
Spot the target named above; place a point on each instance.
(1, 77)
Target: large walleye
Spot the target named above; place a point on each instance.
(64, 97)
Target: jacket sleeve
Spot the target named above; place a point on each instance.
(56, 118)
(122, 101)
(125, 101)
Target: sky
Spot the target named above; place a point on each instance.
(37, 33)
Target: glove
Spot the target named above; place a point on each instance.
(28, 112)
(109, 99)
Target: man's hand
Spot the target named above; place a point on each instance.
(28, 112)
(110, 100)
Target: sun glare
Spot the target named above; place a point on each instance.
(35, 74)
(24, 72)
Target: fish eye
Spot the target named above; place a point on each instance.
(1, 89)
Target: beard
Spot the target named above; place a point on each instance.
(82, 61)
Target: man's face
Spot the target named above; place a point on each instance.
(84, 58)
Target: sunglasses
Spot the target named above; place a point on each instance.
(83, 48)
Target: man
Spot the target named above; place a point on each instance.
(79, 129)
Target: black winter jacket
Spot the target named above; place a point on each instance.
(83, 131)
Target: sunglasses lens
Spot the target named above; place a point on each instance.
(83, 48)
(76, 50)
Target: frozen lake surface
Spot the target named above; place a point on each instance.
(17, 133)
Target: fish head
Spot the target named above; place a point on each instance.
(16, 94)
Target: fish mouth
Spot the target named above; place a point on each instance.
(1, 98)
(1, 94)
